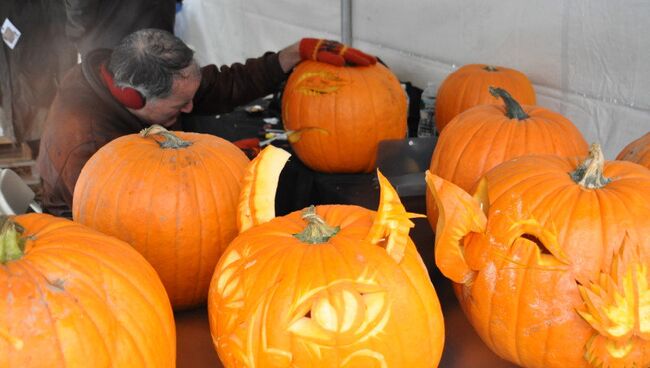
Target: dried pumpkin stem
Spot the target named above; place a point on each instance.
(490, 68)
(317, 230)
(513, 108)
(12, 244)
(171, 140)
(589, 173)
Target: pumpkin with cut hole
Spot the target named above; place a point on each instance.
(171, 195)
(637, 151)
(338, 115)
(485, 136)
(468, 87)
(550, 259)
(73, 297)
(331, 286)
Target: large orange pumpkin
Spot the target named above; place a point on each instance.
(73, 297)
(637, 151)
(550, 259)
(468, 87)
(331, 286)
(172, 196)
(341, 114)
(485, 136)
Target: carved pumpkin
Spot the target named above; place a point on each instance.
(331, 286)
(341, 114)
(73, 297)
(637, 151)
(172, 196)
(468, 87)
(485, 136)
(551, 269)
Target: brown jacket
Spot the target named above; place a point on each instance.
(84, 116)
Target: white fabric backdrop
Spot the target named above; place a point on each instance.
(588, 59)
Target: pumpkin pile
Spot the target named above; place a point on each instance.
(172, 196)
(484, 136)
(331, 286)
(550, 258)
(73, 297)
(340, 114)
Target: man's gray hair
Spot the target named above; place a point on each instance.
(149, 60)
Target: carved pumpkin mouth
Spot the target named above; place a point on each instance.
(320, 83)
(341, 313)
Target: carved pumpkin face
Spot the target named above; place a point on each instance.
(350, 290)
(543, 268)
(343, 114)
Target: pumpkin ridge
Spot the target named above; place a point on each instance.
(196, 286)
(117, 272)
(46, 306)
(26, 264)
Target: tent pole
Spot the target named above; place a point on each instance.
(346, 22)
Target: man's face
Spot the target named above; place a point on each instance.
(165, 111)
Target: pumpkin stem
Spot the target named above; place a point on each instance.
(317, 230)
(513, 108)
(12, 244)
(490, 68)
(589, 173)
(171, 140)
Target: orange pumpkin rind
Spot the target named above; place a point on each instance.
(257, 199)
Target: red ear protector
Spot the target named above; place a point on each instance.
(127, 96)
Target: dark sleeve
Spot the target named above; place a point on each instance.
(81, 15)
(223, 89)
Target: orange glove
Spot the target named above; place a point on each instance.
(333, 52)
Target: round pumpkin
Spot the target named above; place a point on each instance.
(637, 151)
(337, 116)
(73, 297)
(485, 136)
(468, 87)
(331, 286)
(550, 259)
(172, 196)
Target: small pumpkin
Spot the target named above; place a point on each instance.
(73, 297)
(340, 114)
(331, 286)
(550, 259)
(485, 136)
(172, 196)
(637, 151)
(468, 87)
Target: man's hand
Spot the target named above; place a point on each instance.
(333, 52)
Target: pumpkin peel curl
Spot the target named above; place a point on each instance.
(392, 223)
(459, 215)
(616, 306)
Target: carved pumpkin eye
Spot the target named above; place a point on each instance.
(547, 252)
(313, 83)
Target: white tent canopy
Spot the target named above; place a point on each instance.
(588, 60)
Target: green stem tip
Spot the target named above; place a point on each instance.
(317, 230)
(12, 244)
(513, 108)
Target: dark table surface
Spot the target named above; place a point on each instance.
(300, 187)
